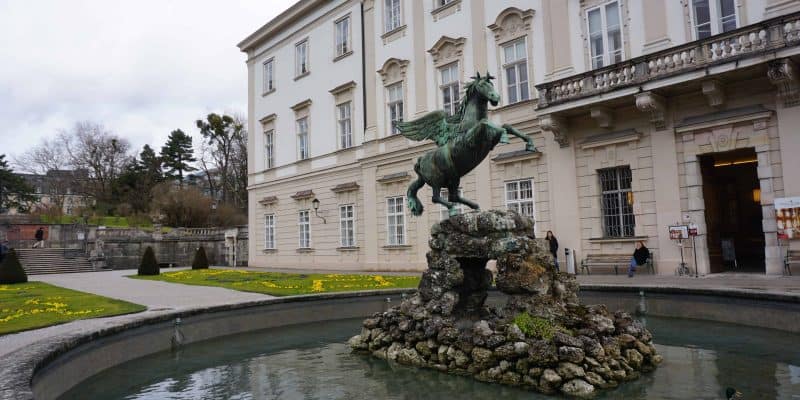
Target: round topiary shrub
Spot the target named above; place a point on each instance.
(200, 260)
(149, 265)
(11, 270)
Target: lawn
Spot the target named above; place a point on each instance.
(33, 305)
(283, 284)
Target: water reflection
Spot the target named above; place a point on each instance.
(312, 362)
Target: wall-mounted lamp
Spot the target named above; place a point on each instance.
(315, 204)
(757, 195)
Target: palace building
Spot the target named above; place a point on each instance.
(645, 114)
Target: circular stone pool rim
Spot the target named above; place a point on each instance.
(50, 367)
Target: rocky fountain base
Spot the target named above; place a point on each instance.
(543, 339)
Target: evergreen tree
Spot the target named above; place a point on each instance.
(177, 154)
(14, 191)
(149, 265)
(150, 165)
(11, 270)
(200, 260)
(135, 183)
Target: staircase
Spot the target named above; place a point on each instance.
(53, 261)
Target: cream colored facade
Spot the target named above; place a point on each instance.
(675, 94)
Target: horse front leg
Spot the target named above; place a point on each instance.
(454, 196)
(437, 198)
(529, 142)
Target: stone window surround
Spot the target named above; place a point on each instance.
(445, 51)
(274, 244)
(396, 33)
(268, 124)
(688, 16)
(344, 93)
(505, 33)
(302, 110)
(445, 10)
(354, 222)
(587, 5)
(337, 57)
(307, 42)
(264, 78)
(532, 200)
(404, 243)
(392, 72)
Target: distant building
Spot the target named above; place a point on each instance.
(61, 188)
(645, 113)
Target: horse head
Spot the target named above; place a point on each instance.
(483, 87)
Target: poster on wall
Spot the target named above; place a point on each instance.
(787, 215)
(678, 232)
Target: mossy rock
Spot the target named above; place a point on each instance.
(149, 265)
(11, 270)
(538, 327)
(200, 260)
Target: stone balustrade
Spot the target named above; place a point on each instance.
(748, 41)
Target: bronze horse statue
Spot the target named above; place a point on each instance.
(463, 141)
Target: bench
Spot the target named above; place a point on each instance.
(614, 261)
(792, 257)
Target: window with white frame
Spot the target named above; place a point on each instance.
(449, 87)
(515, 64)
(344, 125)
(301, 58)
(342, 36)
(269, 231)
(519, 197)
(395, 221)
(395, 104)
(392, 15)
(617, 201)
(302, 138)
(269, 148)
(605, 34)
(444, 213)
(304, 229)
(269, 75)
(712, 17)
(347, 225)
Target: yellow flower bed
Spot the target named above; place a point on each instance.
(283, 284)
(35, 304)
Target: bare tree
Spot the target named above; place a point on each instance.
(50, 159)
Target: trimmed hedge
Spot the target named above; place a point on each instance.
(200, 260)
(11, 270)
(149, 265)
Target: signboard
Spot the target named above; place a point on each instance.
(678, 232)
(693, 230)
(787, 216)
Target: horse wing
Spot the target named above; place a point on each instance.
(432, 125)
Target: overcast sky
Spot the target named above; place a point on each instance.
(142, 68)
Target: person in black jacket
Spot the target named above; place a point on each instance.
(640, 256)
(553, 246)
(39, 238)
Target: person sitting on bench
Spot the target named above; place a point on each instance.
(640, 256)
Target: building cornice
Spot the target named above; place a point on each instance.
(276, 25)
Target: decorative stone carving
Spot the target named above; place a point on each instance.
(714, 92)
(557, 126)
(447, 49)
(511, 23)
(603, 115)
(393, 70)
(543, 339)
(653, 104)
(783, 74)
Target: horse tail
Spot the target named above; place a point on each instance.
(413, 201)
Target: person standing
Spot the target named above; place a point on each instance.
(640, 256)
(39, 238)
(553, 247)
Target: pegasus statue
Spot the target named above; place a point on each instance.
(463, 141)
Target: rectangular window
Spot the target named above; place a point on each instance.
(302, 138)
(304, 229)
(617, 202)
(344, 125)
(392, 8)
(712, 17)
(395, 94)
(301, 58)
(516, 69)
(449, 88)
(269, 75)
(342, 36)
(519, 197)
(395, 221)
(269, 231)
(605, 34)
(442, 3)
(347, 226)
(444, 213)
(269, 149)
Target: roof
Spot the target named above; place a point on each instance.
(279, 23)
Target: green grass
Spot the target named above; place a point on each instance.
(33, 305)
(283, 284)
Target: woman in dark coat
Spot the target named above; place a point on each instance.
(640, 256)
(553, 246)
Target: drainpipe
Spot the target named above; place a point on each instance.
(363, 75)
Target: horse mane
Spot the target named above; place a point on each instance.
(462, 104)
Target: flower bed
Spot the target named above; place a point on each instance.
(284, 284)
(33, 305)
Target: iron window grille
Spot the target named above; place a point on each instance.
(617, 202)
